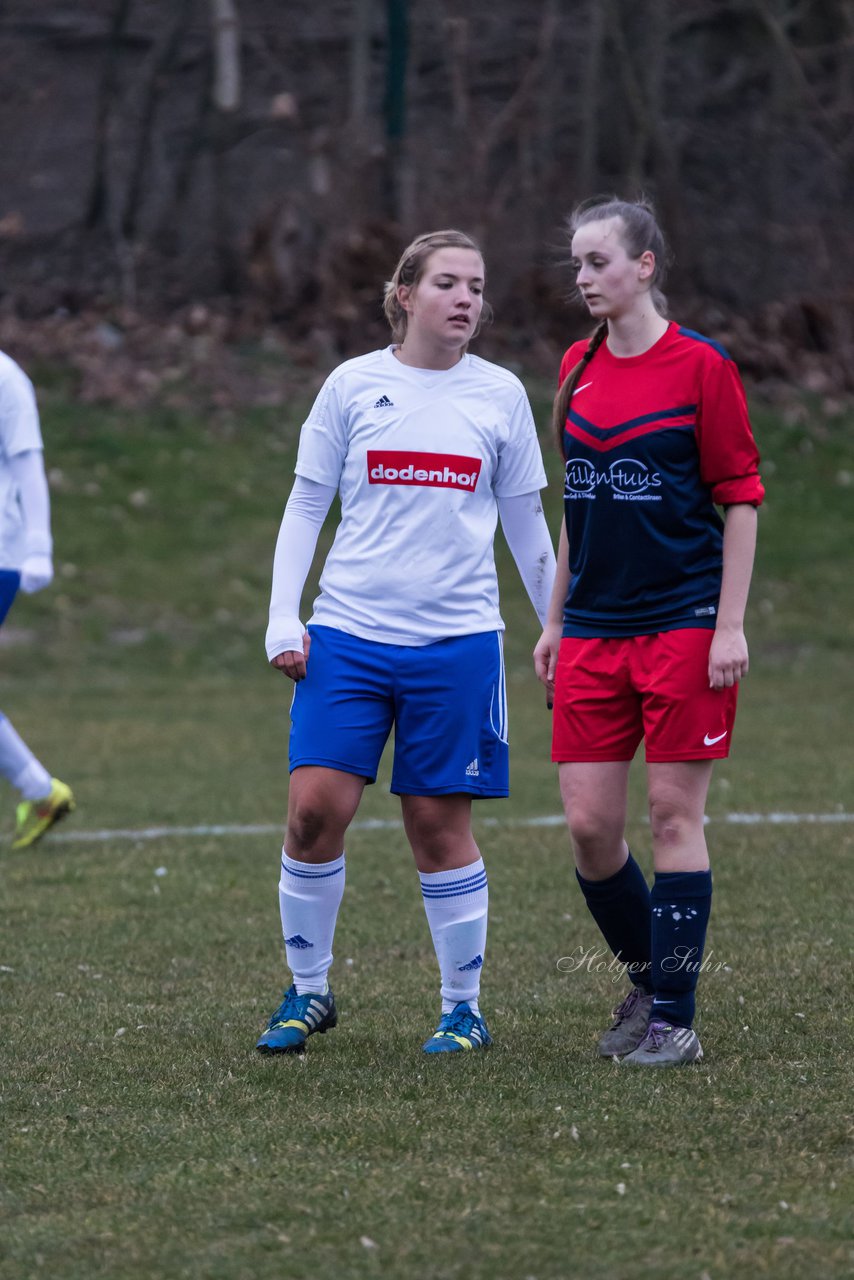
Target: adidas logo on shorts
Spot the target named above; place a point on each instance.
(473, 769)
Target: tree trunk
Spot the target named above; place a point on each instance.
(226, 102)
(360, 66)
(226, 50)
(396, 175)
(588, 158)
(160, 64)
(97, 203)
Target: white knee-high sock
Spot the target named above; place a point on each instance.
(19, 765)
(456, 903)
(310, 894)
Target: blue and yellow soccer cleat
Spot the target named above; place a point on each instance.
(459, 1030)
(296, 1018)
(35, 817)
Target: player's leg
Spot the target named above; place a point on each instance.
(44, 800)
(596, 730)
(682, 892)
(615, 890)
(456, 902)
(687, 726)
(321, 805)
(595, 799)
(451, 745)
(17, 763)
(341, 716)
(681, 903)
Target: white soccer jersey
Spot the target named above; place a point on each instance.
(19, 432)
(419, 457)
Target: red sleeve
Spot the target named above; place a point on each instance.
(570, 360)
(729, 459)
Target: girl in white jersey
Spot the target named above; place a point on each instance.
(25, 564)
(426, 446)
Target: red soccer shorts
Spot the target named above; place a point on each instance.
(609, 694)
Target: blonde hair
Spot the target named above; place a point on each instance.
(639, 232)
(410, 269)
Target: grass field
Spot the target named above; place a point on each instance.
(143, 1137)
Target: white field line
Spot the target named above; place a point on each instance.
(394, 824)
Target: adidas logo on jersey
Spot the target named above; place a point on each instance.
(384, 403)
(299, 942)
(473, 769)
(477, 963)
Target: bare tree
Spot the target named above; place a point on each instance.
(96, 205)
(737, 116)
(598, 18)
(397, 178)
(360, 67)
(157, 70)
(226, 98)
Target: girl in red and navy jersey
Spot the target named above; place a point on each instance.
(645, 634)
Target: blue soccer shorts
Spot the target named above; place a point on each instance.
(446, 702)
(9, 581)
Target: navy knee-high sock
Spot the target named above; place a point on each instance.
(620, 906)
(681, 903)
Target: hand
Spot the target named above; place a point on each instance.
(727, 658)
(36, 573)
(291, 663)
(545, 660)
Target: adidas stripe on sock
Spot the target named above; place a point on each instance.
(456, 903)
(310, 894)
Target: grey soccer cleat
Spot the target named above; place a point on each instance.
(631, 1020)
(666, 1046)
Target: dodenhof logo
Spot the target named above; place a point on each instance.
(627, 478)
(435, 470)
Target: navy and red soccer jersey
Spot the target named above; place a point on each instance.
(652, 443)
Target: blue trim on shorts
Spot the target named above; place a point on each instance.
(446, 702)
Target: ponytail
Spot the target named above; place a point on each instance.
(560, 409)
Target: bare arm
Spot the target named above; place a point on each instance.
(728, 660)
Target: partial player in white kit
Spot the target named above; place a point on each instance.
(426, 446)
(26, 563)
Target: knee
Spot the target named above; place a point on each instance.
(591, 830)
(309, 825)
(669, 823)
(430, 838)
(438, 835)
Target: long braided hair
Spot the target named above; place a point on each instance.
(560, 408)
(639, 232)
